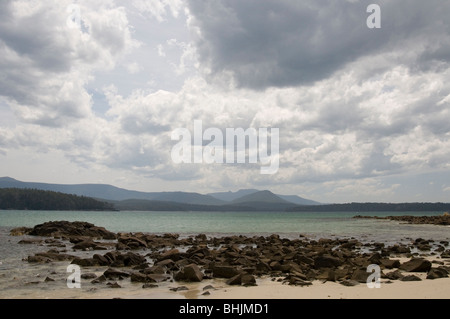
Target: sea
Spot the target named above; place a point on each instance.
(20, 279)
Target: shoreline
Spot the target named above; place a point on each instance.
(236, 266)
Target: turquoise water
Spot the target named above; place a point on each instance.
(287, 224)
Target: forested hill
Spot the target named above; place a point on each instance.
(33, 199)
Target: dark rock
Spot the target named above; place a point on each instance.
(30, 241)
(153, 270)
(225, 271)
(390, 263)
(416, 265)
(209, 287)
(295, 281)
(375, 259)
(206, 293)
(436, 273)
(327, 274)
(88, 275)
(360, 275)
(349, 283)
(410, 278)
(235, 281)
(394, 275)
(112, 273)
(299, 258)
(65, 228)
(173, 254)
(182, 288)
(85, 262)
(275, 265)
(56, 255)
(326, 261)
(132, 242)
(86, 244)
(113, 285)
(47, 279)
(248, 280)
(39, 259)
(139, 277)
(20, 231)
(101, 260)
(192, 273)
(148, 285)
(99, 279)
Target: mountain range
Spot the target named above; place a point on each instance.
(123, 199)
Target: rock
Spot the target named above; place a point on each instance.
(85, 245)
(445, 254)
(295, 281)
(148, 285)
(360, 275)
(235, 281)
(416, 265)
(375, 259)
(132, 242)
(173, 254)
(139, 277)
(113, 285)
(248, 280)
(327, 274)
(129, 259)
(209, 287)
(56, 255)
(394, 275)
(436, 273)
(225, 271)
(410, 278)
(47, 279)
(153, 270)
(326, 261)
(192, 273)
(101, 260)
(65, 228)
(275, 265)
(30, 241)
(169, 263)
(303, 259)
(390, 263)
(349, 283)
(88, 275)
(99, 279)
(85, 262)
(182, 288)
(206, 293)
(39, 259)
(111, 273)
(20, 231)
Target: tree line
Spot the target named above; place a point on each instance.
(34, 199)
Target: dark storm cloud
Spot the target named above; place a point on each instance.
(285, 43)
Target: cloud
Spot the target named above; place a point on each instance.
(46, 64)
(288, 43)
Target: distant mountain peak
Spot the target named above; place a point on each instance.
(264, 196)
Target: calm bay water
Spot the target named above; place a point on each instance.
(287, 224)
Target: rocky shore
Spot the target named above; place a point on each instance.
(443, 220)
(151, 259)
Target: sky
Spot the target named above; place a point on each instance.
(91, 91)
